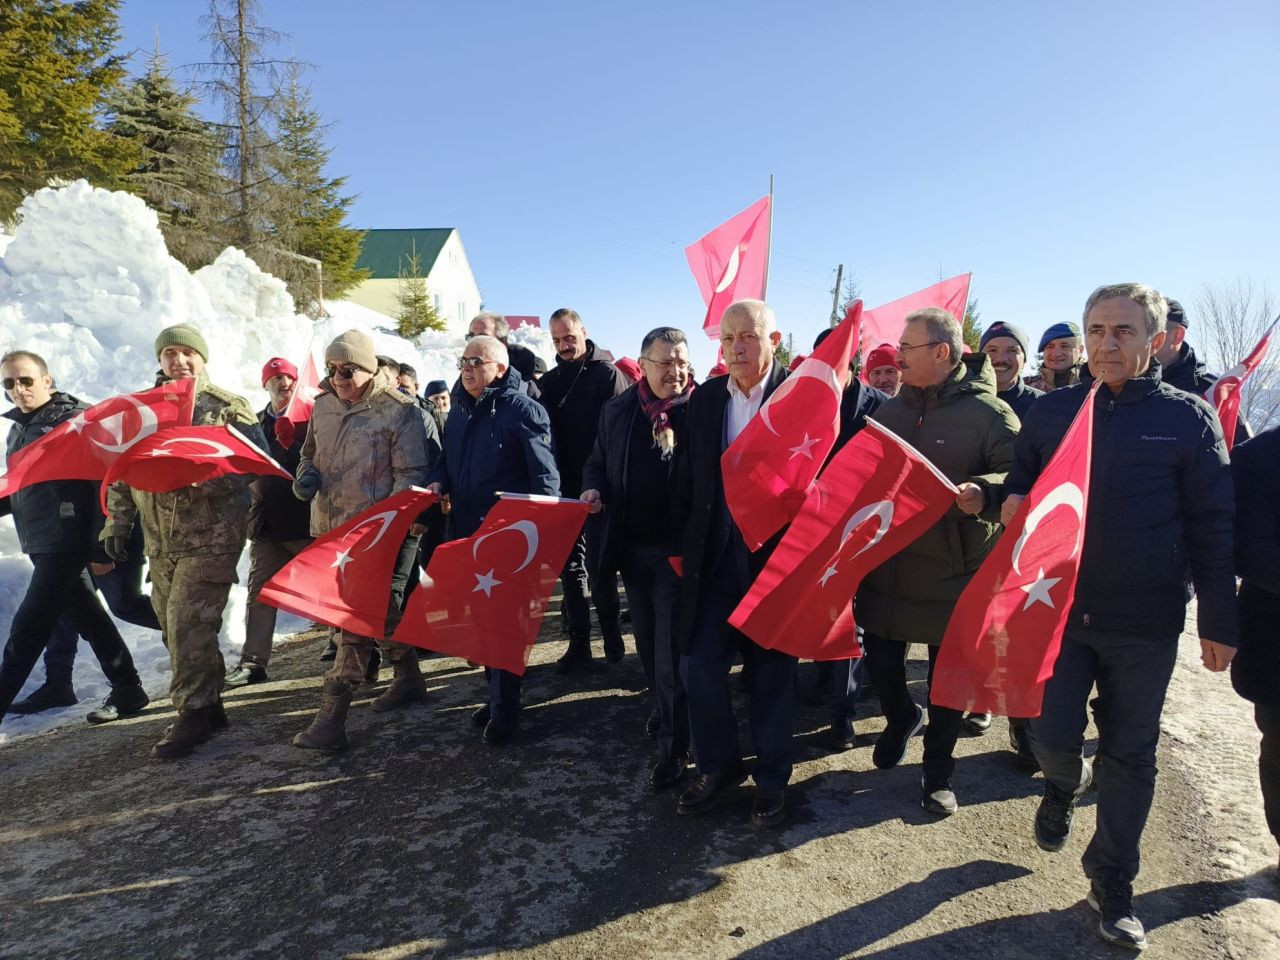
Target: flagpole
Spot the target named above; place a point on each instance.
(768, 257)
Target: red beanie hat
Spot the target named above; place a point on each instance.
(277, 365)
(882, 356)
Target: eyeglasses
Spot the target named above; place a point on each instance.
(665, 365)
(341, 373)
(11, 382)
(473, 362)
(904, 347)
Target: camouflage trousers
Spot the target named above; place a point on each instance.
(189, 595)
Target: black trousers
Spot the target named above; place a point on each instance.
(1268, 719)
(887, 664)
(59, 587)
(652, 592)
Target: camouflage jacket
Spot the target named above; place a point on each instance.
(365, 451)
(1038, 382)
(210, 517)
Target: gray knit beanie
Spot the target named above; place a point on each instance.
(182, 335)
(354, 346)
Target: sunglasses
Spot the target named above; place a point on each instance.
(340, 373)
(473, 362)
(11, 382)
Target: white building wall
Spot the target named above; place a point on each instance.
(451, 284)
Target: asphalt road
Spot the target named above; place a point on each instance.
(422, 841)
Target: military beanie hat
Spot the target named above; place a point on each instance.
(354, 346)
(182, 335)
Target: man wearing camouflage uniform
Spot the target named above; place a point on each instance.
(192, 538)
(366, 441)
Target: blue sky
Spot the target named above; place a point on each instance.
(578, 147)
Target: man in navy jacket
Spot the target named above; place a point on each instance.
(1160, 504)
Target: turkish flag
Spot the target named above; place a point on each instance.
(181, 456)
(344, 578)
(732, 261)
(875, 496)
(884, 324)
(85, 447)
(303, 402)
(1003, 638)
(767, 470)
(484, 596)
(1226, 394)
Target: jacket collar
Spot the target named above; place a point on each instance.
(1135, 388)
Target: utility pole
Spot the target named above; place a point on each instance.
(835, 297)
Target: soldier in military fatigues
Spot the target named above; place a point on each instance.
(366, 441)
(192, 537)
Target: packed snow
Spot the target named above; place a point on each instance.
(87, 283)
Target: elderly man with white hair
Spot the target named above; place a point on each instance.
(496, 439)
(718, 570)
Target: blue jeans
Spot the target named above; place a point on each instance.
(1132, 675)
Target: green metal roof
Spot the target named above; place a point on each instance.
(383, 251)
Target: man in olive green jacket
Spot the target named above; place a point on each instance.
(948, 410)
(192, 538)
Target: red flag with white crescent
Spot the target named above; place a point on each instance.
(732, 262)
(343, 578)
(875, 496)
(180, 456)
(1003, 638)
(85, 447)
(303, 402)
(884, 324)
(484, 596)
(1227, 393)
(768, 469)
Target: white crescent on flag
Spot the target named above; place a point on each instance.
(114, 424)
(220, 450)
(527, 528)
(882, 510)
(731, 269)
(1063, 495)
(824, 373)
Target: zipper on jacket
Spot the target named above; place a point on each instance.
(1085, 619)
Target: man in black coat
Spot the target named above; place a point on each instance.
(574, 393)
(57, 523)
(1160, 502)
(279, 523)
(717, 572)
(629, 476)
(1255, 672)
(1181, 368)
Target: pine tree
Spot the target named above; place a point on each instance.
(971, 329)
(246, 80)
(177, 172)
(312, 212)
(417, 314)
(56, 70)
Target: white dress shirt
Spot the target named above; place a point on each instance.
(742, 407)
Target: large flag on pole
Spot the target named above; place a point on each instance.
(343, 578)
(1003, 638)
(1227, 393)
(875, 496)
(85, 447)
(732, 262)
(883, 325)
(176, 457)
(484, 597)
(767, 470)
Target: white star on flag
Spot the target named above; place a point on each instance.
(341, 560)
(161, 453)
(1038, 592)
(485, 582)
(77, 423)
(804, 449)
(830, 572)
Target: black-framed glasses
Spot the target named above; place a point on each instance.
(11, 382)
(344, 372)
(904, 347)
(665, 365)
(473, 362)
